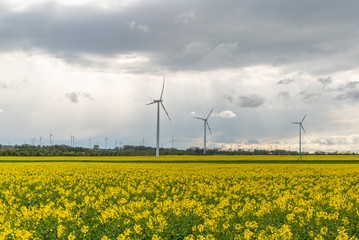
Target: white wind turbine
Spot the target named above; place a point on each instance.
(160, 101)
(51, 138)
(205, 121)
(300, 135)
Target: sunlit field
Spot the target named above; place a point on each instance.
(110, 199)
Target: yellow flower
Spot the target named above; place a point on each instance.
(155, 237)
(189, 237)
(127, 232)
(121, 237)
(238, 226)
(248, 234)
(251, 225)
(60, 230)
(324, 230)
(71, 237)
(200, 227)
(137, 228)
(85, 229)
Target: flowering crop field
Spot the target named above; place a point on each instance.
(112, 200)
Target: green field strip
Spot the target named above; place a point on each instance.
(253, 159)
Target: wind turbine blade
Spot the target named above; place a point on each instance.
(150, 103)
(210, 113)
(166, 111)
(209, 128)
(199, 118)
(302, 128)
(163, 86)
(295, 122)
(303, 118)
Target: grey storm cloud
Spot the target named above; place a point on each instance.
(74, 97)
(351, 85)
(325, 80)
(207, 35)
(348, 86)
(285, 81)
(251, 101)
(351, 95)
(283, 96)
(310, 97)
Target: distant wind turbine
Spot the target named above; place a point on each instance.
(173, 140)
(158, 118)
(51, 138)
(205, 121)
(300, 135)
(106, 139)
(72, 140)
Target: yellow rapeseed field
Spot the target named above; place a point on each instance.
(111, 200)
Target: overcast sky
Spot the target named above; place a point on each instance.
(88, 68)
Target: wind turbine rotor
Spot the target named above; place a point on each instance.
(303, 118)
(302, 128)
(210, 113)
(209, 128)
(163, 87)
(163, 106)
(199, 118)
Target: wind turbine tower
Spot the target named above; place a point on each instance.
(173, 140)
(51, 138)
(205, 121)
(160, 101)
(300, 124)
(106, 138)
(72, 141)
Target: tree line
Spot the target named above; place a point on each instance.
(131, 150)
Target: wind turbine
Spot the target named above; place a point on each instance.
(106, 138)
(158, 118)
(300, 135)
(72, 141)
(51, 138)
(173, 140)
(205, 121)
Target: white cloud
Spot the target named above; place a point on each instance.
(221, 55)
(140, 27)
(226, 114)
(196, 48)
(188, 17)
